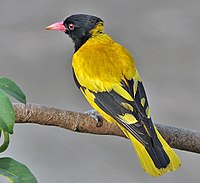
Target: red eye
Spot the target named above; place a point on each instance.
(71, 26)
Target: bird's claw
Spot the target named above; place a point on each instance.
(95, 115)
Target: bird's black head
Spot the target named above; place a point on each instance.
(79, 27)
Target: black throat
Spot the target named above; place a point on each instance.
(80, 41)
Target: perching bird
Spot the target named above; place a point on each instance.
(105, 73)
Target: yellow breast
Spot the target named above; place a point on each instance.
(101, 63)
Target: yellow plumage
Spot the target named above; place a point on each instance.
(99, 66)
(105, 72)
(102, 54)
(146, 161)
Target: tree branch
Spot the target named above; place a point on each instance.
(179, 138)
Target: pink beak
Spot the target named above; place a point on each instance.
(57, 26)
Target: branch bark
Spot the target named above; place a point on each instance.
(179, 138)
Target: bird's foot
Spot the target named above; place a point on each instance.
(95, 115)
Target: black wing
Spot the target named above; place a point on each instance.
(142, 128)
(116, 106)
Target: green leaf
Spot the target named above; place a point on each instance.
(12, 89)
(6, 141)
(7, 116)
(16, 172)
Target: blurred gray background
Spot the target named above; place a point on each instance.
(164, 38)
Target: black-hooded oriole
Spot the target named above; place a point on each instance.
(105, 73)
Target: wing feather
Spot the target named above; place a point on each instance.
(112, 104)
(107, 76)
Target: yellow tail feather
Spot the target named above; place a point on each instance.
(145, 159)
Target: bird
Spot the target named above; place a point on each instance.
(106, 74)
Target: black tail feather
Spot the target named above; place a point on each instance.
(158, 155)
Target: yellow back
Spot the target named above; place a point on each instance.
(101, 63)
